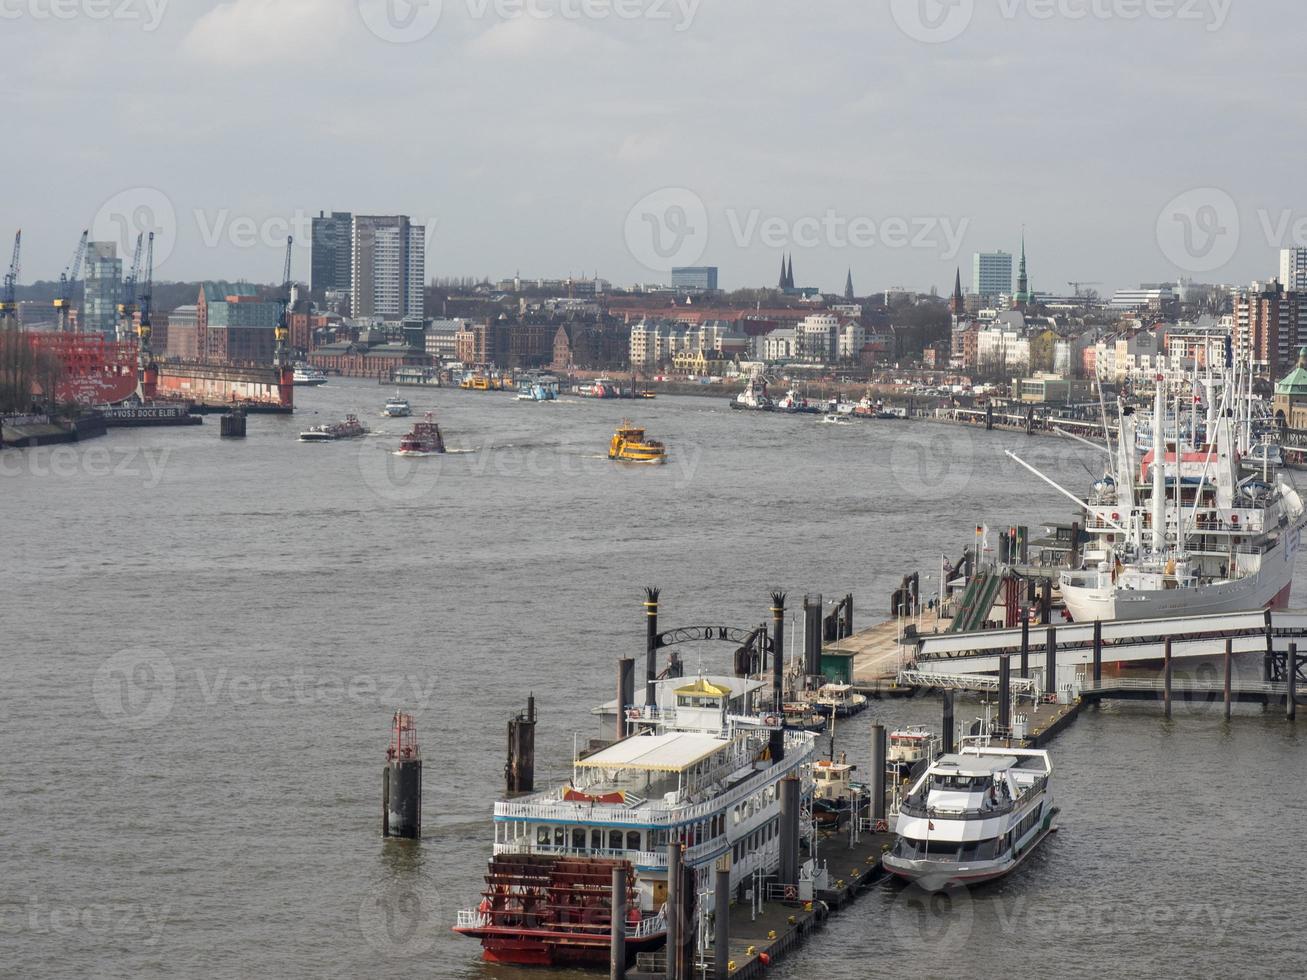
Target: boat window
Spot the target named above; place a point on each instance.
(633, 840)
(542, 835)
(560, 836)
(596, 840)
(614, 840)
(578, 839)
(956, 783)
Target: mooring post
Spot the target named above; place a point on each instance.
(812, 634)
(1046, 601)
(617, 949)
(1291, 701)
(625, 693)
(788, 872)
(651, 646)
(948, 722)
(1269, 657)
(1098, 652)
(1050, 661)
(402, 788)
(675, 882)
(848, 615)
(722, 919)
(877, 772)
(777, 737)
(1005, 693)
(1229, 657)
(1166, 676)
(1025, 641)
(520, 770)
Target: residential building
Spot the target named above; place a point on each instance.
(779, 345)
(331, 263)
(234, 326)
(103, 290)
(1052, 389)
(1293, 269)
(1155, 298)
(441, 338)
(991, 274)
(1270, 324)
(1002, 348)
(850, 341)
(817, 338)
(181, 334)
(387, 267)
(702, 278)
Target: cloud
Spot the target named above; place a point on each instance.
(248, 33)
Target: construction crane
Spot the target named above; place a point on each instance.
(1076, 286)
(146, 300)
(63, 302)
(283, 315)
(127, 308)
(9, 297)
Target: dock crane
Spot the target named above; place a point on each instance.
(146, 299)
(127, 308)
(9, 298)
(283, 315)
(67, 279)
(1076, 286)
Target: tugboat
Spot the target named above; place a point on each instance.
(424, 440)
(973, 817)
(834, 792)
(349, 428)
(795, 404)
(754, 397)
(630, 445)
(397, 408)
(839, 700)
(909, 747)
(801, 716)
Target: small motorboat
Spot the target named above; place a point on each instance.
(835, 418)
(349, 428)
(397, 408)
(834, 792)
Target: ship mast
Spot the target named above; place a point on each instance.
(1159, 461)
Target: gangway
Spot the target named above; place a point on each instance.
(983, 683)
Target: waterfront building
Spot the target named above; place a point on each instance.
(817, 338)
(387, 267)
(103, 290)
(331, 268)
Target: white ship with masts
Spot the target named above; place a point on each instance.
(1182, 531)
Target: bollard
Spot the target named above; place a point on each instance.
(401, 792)
(1025, 641)
(1229, 656)
(1050, 662)
(948, 723)
(1005, 693)
(650, 645)
(625, 693)
(1291, 700)
(722, 919)
(617, 949)
(878, 772)
(675, 881)
(1166, 677)
(777, 737)
(1098, 651)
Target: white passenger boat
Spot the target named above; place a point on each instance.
(397, 408)
(835, 418)
(909, 747)
(307, 376)
(839, 700)
(703, 767)
(973, 817)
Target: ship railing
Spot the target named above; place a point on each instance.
(652, 926)
(642, 859)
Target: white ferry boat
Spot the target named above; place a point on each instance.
(973, 817)
(397, 408)
(307, 376)
(698, 770)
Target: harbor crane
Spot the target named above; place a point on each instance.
(9, 297)
(146, 298)
(127, 308)
(1076, 286)
(67, 279)
(283, 303)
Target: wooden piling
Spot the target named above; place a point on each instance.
(1229, 657)
(1167, 663)
(1291, 698)
(650, 646)
(1098, 651)
(722, 919)
(519, 772)
(777, 737)
(1050, 661)
(788, 872)
(1005, 692)
(877, 772)
(675, 882)
(625, 694)
(948, 722)
(1025, 641)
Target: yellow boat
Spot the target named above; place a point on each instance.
(630, 445)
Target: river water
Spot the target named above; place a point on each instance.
(204, 641)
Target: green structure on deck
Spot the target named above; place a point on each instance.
(977, 601)
(837, 666)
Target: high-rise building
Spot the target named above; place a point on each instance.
(991, 274)
(332, 235)
(387, 267)
(103, 290)
(1270, 323)
(1293, 269)
(701, 278)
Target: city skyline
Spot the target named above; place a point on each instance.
(552, 181)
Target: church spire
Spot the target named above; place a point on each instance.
(781, 283)
(1023, 278)
(959, 304)
(848, 286)
(789, 276)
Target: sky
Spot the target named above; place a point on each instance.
(1134, 140)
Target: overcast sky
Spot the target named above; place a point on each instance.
(1136, 140)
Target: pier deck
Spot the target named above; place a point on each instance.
(878, 654)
